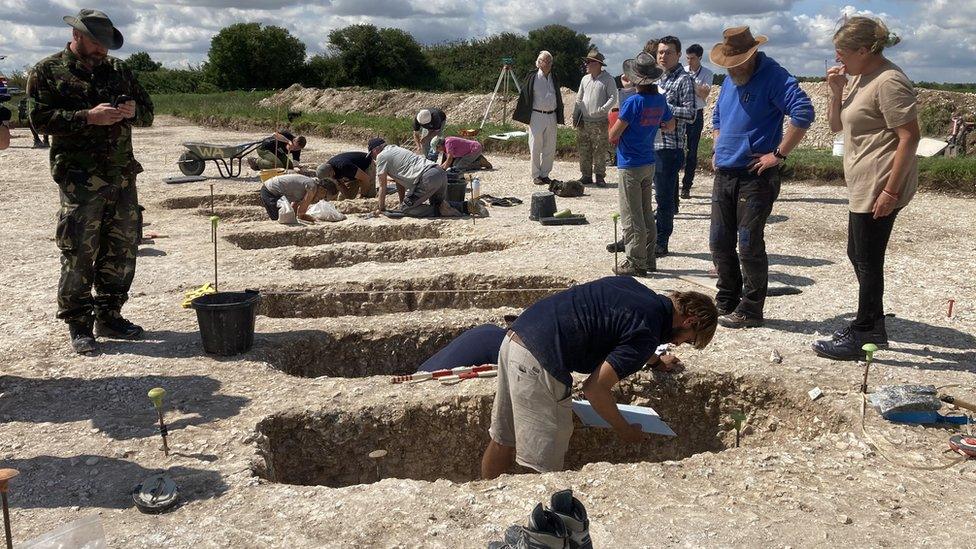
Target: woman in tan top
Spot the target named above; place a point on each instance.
(875, 109)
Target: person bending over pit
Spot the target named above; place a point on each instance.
(274, 150)
(462, 154)
(428, 124)
(607, 329)
(354, 173)
(421, 183)
(301, 191)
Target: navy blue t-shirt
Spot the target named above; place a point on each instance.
(475, 347)
(345, 164)
(614, 319)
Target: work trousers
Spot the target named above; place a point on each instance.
(594, 146)
(98, 232)
(267, 161)
(867, 240)
(352, 188)
(542, 143)
(426, 136)
(694, 132)
(425, 199)
(468, 162)
(270, 201)
(741, 204)
(667, 164)
(636, 200)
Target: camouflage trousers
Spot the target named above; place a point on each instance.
(267, 160)
(99, 228)
(594, 146)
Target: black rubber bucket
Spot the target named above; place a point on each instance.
(456, 186)
(543, 205)
(227, 321)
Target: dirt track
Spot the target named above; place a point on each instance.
(81, 430)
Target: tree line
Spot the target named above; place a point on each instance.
(247, 56)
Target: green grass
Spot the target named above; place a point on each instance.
(953, 175)
(239, 110)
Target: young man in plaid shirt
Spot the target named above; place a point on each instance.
(678, 88)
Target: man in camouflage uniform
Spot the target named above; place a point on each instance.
(99, 225)
(596, 96)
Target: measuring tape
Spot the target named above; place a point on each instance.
(963, 445)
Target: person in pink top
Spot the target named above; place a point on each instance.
(463, 154)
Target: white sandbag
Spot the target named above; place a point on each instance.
(324, 211)
(84, 533)
(286, 214)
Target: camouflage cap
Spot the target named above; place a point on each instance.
(96, 25)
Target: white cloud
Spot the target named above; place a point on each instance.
(938, 42)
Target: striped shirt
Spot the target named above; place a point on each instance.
(678, 88)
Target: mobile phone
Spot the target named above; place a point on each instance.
(120, 100)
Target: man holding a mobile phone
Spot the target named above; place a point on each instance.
(93, 164)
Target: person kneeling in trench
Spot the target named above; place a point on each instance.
(301, 191)
(421, 183)
(609, 329)
(354, 173)
(459, 153)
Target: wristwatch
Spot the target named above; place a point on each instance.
(778, 154)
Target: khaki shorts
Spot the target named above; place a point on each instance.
(533, 411)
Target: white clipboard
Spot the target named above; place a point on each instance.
(644, 416)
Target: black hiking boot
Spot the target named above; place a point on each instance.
(571, 511)
(629, 269)
(877, 335)
(82, 338)
(601, 181)
(737, 320)
(846, 344)
(586, 180)
(544, 531)
(618, 246)
(115, 327)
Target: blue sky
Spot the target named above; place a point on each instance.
(939, 42)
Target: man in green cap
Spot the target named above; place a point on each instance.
(88, 103)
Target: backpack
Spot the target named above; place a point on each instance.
(566, 189)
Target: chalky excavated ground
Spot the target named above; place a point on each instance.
(270, 449)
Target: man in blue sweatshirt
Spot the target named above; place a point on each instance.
(750, 146)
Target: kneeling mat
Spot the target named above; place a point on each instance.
(575, 219)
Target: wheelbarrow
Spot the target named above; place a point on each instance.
(227, 158)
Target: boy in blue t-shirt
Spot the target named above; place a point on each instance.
(640, 117)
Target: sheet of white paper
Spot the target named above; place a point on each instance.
(646, 417)
(508, 135)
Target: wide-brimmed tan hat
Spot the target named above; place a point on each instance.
(96, 25)
(736, 47)
(595, 55)
(643, 69)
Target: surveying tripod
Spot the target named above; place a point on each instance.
(504, 76)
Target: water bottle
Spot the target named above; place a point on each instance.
(475, 188)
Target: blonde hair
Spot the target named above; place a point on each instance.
(864, 32)
(703, 310)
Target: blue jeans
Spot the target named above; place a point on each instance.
(667, 164)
